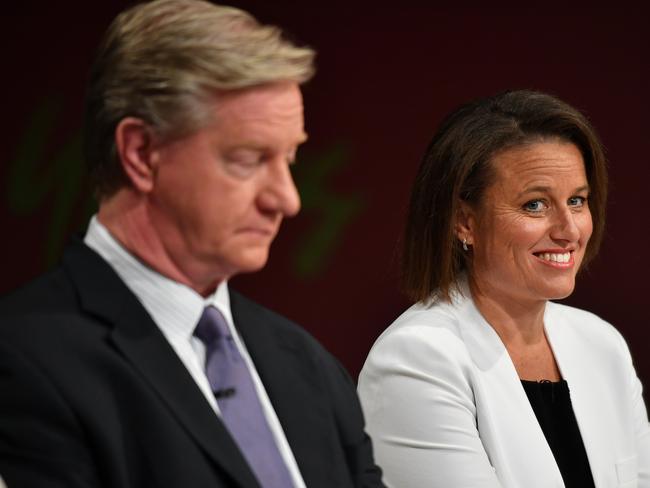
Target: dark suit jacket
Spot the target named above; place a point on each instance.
(92, 395)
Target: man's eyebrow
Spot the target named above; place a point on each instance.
(255, 145)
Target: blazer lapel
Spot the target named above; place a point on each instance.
(506, 421)
(589, 391)
(136, 336)
(288, 373)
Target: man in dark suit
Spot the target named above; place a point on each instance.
(133, 364)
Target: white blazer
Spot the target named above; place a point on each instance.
(445, 407)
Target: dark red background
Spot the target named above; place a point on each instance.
(387, 75)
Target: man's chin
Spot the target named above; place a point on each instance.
(251, 262)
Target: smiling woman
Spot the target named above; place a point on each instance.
(485, 382)
(530, 231)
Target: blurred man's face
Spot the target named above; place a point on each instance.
(221, 193)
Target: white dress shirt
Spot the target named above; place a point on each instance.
(176, 310)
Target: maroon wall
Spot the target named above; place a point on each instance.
(386, 78)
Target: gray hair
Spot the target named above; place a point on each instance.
(163, 62)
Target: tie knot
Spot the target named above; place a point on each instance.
(212, 326)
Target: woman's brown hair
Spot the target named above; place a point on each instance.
(457, 167)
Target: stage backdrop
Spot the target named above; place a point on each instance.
(386, 77)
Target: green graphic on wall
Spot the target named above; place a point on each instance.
(52, 183)
(333, 211)
(38, 178)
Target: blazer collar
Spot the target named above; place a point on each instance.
(135, 335)
(507, 423)
(578, 362)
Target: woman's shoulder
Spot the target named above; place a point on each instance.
(432, 318)
(422, 344)
(423, 330)
(582, 323)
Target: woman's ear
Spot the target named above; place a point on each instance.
(134, 142)
(465, 223)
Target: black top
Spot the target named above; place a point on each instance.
(552, 405)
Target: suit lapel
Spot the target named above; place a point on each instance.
(136, 336)
(288, 373)
(506, 421)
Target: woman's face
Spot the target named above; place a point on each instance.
(530, 231)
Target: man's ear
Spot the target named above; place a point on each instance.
(134, 141)
(465, 223)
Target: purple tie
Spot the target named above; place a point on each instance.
(240, 407)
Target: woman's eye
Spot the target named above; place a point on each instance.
(577, 201)
(535, 206)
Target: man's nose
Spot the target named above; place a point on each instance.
(281, 194)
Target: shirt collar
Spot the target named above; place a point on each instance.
(173, 306)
